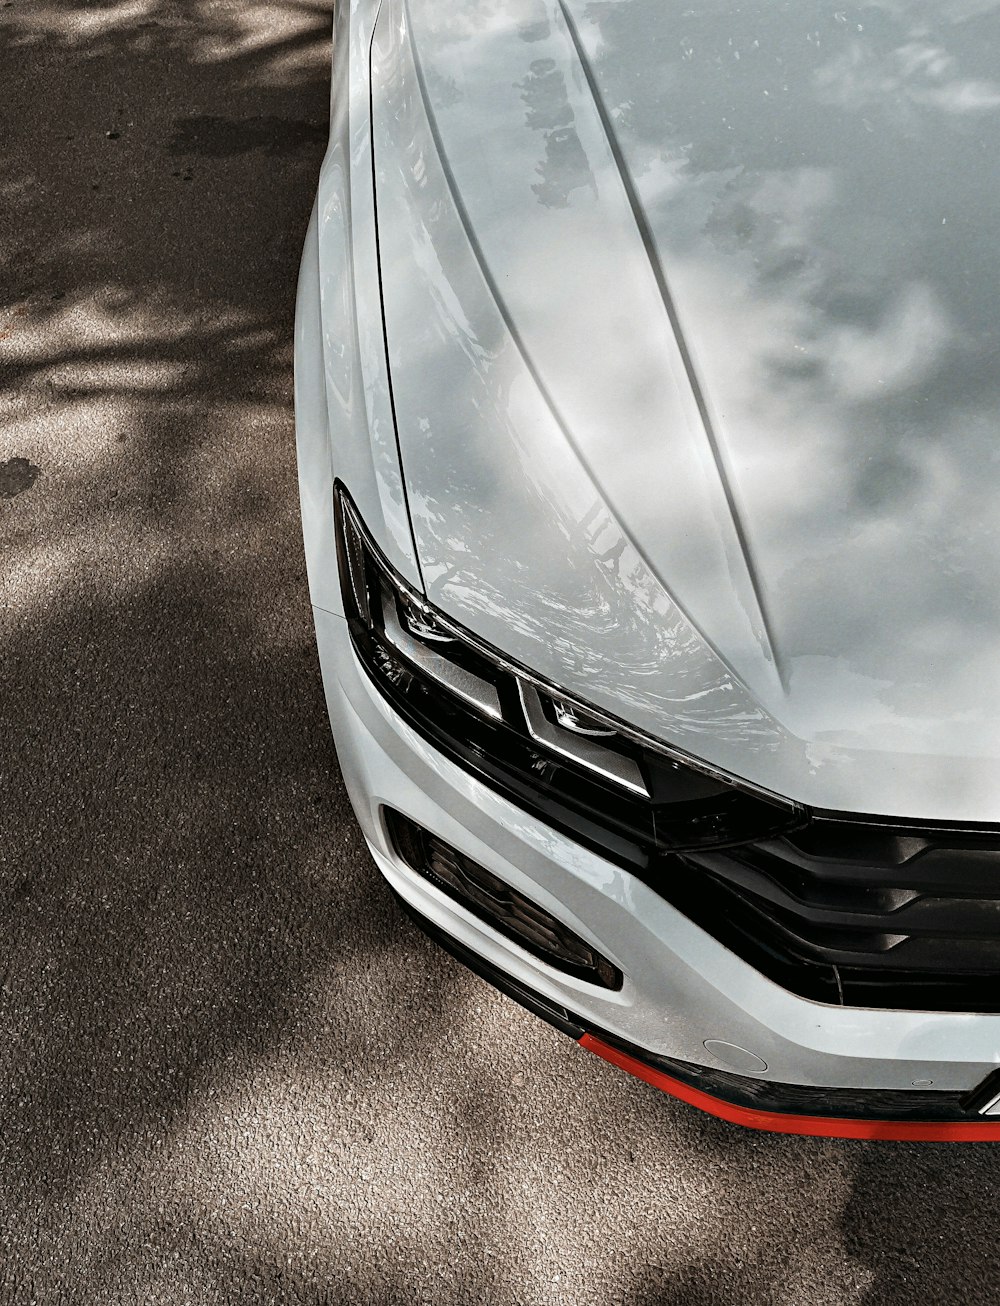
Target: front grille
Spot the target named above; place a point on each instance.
(858, 914)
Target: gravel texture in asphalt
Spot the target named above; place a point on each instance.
(231, 1071)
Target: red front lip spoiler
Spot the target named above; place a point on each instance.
(958, 1131)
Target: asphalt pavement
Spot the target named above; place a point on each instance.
(230, 1070)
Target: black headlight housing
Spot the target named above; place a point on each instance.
(598, 780)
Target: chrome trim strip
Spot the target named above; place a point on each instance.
(478, 693)
(578, 748)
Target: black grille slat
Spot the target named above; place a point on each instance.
(949, 868)
(894, 911)
(818, 912)
(764, 876)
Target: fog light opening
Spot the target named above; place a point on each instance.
(501, 906)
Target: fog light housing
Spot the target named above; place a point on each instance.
(501, 906)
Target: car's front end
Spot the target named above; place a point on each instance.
(610, 702)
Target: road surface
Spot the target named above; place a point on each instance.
(231, 1071)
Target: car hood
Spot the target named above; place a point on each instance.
(693, 333)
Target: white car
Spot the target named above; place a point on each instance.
(647, 393)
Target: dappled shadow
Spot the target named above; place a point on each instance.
(200, 991)
(766, 1218)
(749, 1217)
(231, 1071)
(923, 1219)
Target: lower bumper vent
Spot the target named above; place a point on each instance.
(494, 901)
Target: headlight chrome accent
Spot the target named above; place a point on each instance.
(580, 747)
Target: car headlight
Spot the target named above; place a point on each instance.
(628, 797)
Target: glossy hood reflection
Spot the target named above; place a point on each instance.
(696, 364)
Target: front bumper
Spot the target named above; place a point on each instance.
(903, 1115)
(682, 989)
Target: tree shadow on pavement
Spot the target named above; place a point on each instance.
(768, 1229)
(922, 1217)
(231, 1071)
(202, 972)
(828, 1222)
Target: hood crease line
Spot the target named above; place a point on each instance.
(543, 390)
(659, 276)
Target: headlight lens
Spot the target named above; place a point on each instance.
(597, 779)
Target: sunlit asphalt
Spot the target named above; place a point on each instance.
(230, 1071)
